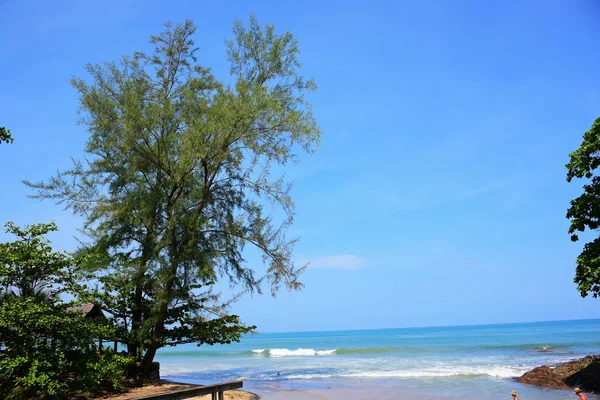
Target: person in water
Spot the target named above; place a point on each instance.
(514, 395)
(580, 394)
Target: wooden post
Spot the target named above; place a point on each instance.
(213, 396)
(116, 346)
(100, 345)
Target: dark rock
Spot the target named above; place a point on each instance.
(588, 378)
(544, 376)
(584, 373)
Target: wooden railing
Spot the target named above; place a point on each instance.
(216, 392)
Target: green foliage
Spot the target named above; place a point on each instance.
(28, 266)
(50, 352)
(184, 322)
(177, 181)
(5, 135)
(584, 212)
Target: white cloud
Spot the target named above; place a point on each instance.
(345, 261)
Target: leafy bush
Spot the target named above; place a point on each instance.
(51, 353)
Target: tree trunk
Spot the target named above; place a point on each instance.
(136, 319)
(146, 366)
(133, 347)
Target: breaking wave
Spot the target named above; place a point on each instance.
(384, 350)
(293, 353)
(447, 371)
(361, 351)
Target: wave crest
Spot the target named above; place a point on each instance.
(293, 353)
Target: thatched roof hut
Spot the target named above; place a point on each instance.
(89, 310)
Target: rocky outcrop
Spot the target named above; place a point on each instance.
(583, 373)
(544, 376)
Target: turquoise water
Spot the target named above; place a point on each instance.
(443, 362)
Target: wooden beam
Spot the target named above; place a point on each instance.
(213, 390)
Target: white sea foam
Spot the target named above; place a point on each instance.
(491, 371)
(494, 372)
(307, 376)
(441, 371)
(294, 353)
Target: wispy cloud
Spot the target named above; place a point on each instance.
(440, 192)
(487, 188)
(344, 261)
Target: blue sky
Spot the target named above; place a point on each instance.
(438, 195)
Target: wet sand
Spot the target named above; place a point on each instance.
(432, 389)
(368, 389)
(294, 395)
(334, 394)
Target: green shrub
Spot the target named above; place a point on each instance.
(51, 354)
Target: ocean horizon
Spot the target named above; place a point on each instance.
(466, 361)
(258, 331)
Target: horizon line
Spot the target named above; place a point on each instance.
(434, 326)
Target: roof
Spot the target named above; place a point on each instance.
(88, 310)
(83, 308)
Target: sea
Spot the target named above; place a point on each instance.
(458, 362)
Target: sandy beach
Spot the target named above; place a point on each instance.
(424, 390)
(232, 395)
